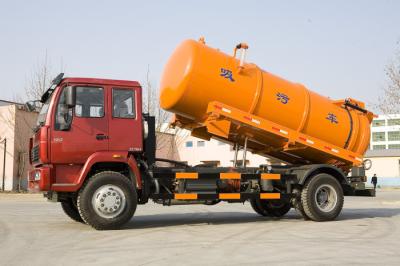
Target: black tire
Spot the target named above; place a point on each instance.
(273, 208)
(255, 204)
(301, 211)
(107, 179)
(71, 210)
(311, 205)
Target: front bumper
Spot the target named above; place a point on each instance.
(40, 179)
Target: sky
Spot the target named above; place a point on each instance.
(336, 48)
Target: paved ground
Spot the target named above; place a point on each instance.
(36, 232)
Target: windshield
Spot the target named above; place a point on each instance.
(43, 112)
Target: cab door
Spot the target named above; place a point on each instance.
(88, 132)
(125, 119)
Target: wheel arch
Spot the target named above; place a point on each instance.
(119, 162)
(307, 172)
(119, 167)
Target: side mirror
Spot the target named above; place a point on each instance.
(32, 106)
(70, 97)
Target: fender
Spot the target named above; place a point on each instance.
(99, 157)
(307, 171)
(135, 170)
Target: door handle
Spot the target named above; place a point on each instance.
(101, 137)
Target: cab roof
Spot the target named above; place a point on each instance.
(113, 82)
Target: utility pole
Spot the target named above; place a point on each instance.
(4, 141)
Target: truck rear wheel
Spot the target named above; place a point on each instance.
(301, 211)
(107, 200)
(273, 208)
(70, 209)
(322, 198)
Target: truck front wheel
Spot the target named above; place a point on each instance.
(70, 209)
(107, 200)
(274, 208)
(322, 198)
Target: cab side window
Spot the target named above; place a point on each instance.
(89, 102)
(123, 103)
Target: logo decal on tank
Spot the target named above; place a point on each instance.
(283, 98)
(331, 117)
(226, 73)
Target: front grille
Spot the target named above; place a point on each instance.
(35, 154)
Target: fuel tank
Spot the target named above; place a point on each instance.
(197, 74)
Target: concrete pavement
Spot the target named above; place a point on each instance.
(36, 232)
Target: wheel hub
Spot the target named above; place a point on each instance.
(326, 198)
(108, 201)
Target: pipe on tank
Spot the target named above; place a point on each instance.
(243, 47)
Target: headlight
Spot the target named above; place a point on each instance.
(37, 176)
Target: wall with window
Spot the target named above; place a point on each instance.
(378, 136)
(378, 122)
(385, 132)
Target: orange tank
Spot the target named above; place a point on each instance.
(197, 76)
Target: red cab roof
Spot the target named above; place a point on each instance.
(113, 82)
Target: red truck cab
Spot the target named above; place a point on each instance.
(70, 140)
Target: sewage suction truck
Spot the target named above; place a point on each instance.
(94, 150)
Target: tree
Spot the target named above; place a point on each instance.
(40, 79)
(151, 104)
(389, 102)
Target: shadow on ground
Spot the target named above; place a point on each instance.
(351, 214)
(215, 218)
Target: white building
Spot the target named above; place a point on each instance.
(384, 149)
(385, 132)
(197, 151)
